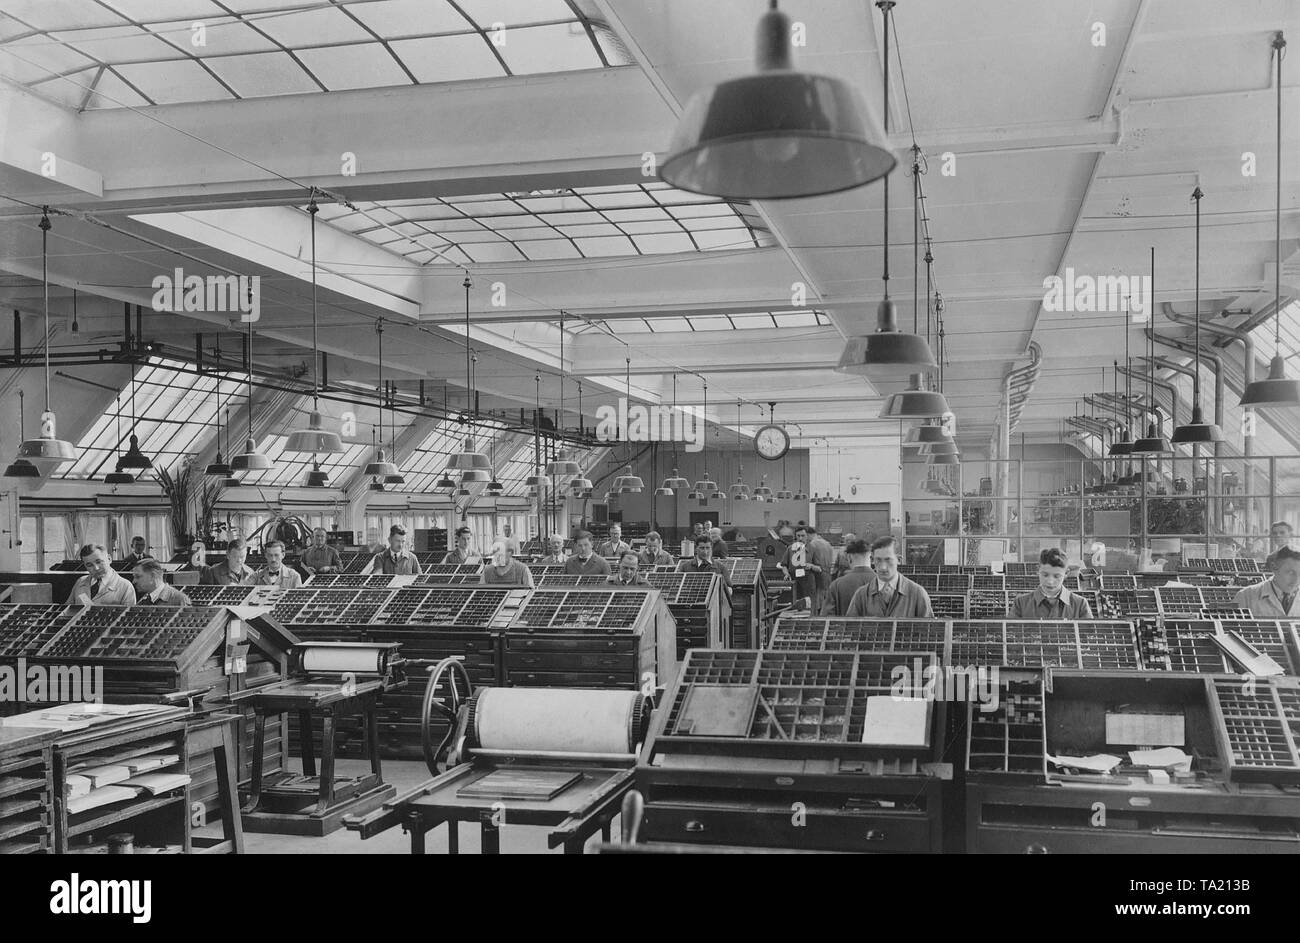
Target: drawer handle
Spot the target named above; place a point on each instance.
(875, 835)
(694, 825)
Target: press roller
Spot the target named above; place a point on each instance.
(557, 757)
(555, 722)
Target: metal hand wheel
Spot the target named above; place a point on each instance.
(448, 708)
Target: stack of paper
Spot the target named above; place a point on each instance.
(98, 797)
(157, 783)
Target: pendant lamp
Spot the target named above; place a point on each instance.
(1198, 431)
(315, 438)
(1153, 443)
(495, 487)
(380, 467)
(134, 459)
(20, 467)
(914, 403)
(888, 354)
(47, 447)
(250, 459)
(1277, 389)
(317, 478)
(1124, 445)
(116, 477)
(779, 133)
(946, 459)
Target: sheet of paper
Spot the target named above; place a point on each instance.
(1099, 763)
(156, 783)
(896, 721)
(101, 776)
(1169, 758)
(99, 797)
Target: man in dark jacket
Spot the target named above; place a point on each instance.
(890, 594)
(858, 574)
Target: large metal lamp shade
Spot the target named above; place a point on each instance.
(1274, 390)
(315, 439)
(914, 403)
(778, 134)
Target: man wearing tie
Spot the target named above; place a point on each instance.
(890, 595)
(628, 571)
(101, 586)
(138, 552)
(584, 562)
(152, 590)
(555, 555)
(1275, 598)
(396, 560)
(275, 573)
(614, 547)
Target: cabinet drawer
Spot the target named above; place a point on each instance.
(775, 828)
(589, 643)
(571, 661)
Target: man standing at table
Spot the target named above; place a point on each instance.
(1275, 598)
(859, 574)
(628, 571)
(102, 585)
(320, 557)
(555, 555)
(152, 590)
(654, 554)
(890, 594)
(1051, 600)
(614, 546)
(396, 560)
(232, 570)
(462, 554)
(275, 573)
(584, 562)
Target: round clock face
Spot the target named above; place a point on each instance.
(771, 442)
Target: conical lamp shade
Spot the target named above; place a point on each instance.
(475, 475)
(920, 435)
(445, 481)
(562, 465)
(397, 478)
(317, 478)
(888, 353)
(470, 460)
(694, 495)
(134, 458)
(630, 483)
(707, 485)
(314, 439)
(1124, 446)
(1152, 444)
(495, 487)
(784, 494)
(914, 403)
(218, 468)
(380, 467)
(777, 134)
(763, 491)
(21, 468)
(662, 492)
(676, 481)
(1198, 431)
(944, 460)
(801, 496)
(581, 485)
(1276, 390)
(376, 485)
(231, 482)
(119, 477)
(250, 459)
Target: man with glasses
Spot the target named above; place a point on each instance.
(890, 594)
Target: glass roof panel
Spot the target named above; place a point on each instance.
(361, 66)
(550, 249)
(663, 242)
(175, 414)
(710, 322)
(342, 41)
(171, 82)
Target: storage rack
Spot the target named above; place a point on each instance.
(1017, 802)
(698, 604)
(26, 791)
(607, 637)
(943, 582)
(154, 652)
(349, 580)
(948, 607)
(744, 734)
(450, 573)
(748, 601)
(1187, 644)
(1030, 644)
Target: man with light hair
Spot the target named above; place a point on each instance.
(502, 569)
(654, 554)
(555, 551)
(719, 546)
(613, 547)
(320, 557)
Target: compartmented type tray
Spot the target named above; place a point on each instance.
(29, 628)
(579, 609)
(860, 635)
(150, 633)
(1259, 726)
(796, 696)
(1028, 644)
(948, 606)
(1010, 740)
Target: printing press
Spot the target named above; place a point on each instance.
(556, 757)
(329, 679)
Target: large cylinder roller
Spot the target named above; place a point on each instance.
(555, 722)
